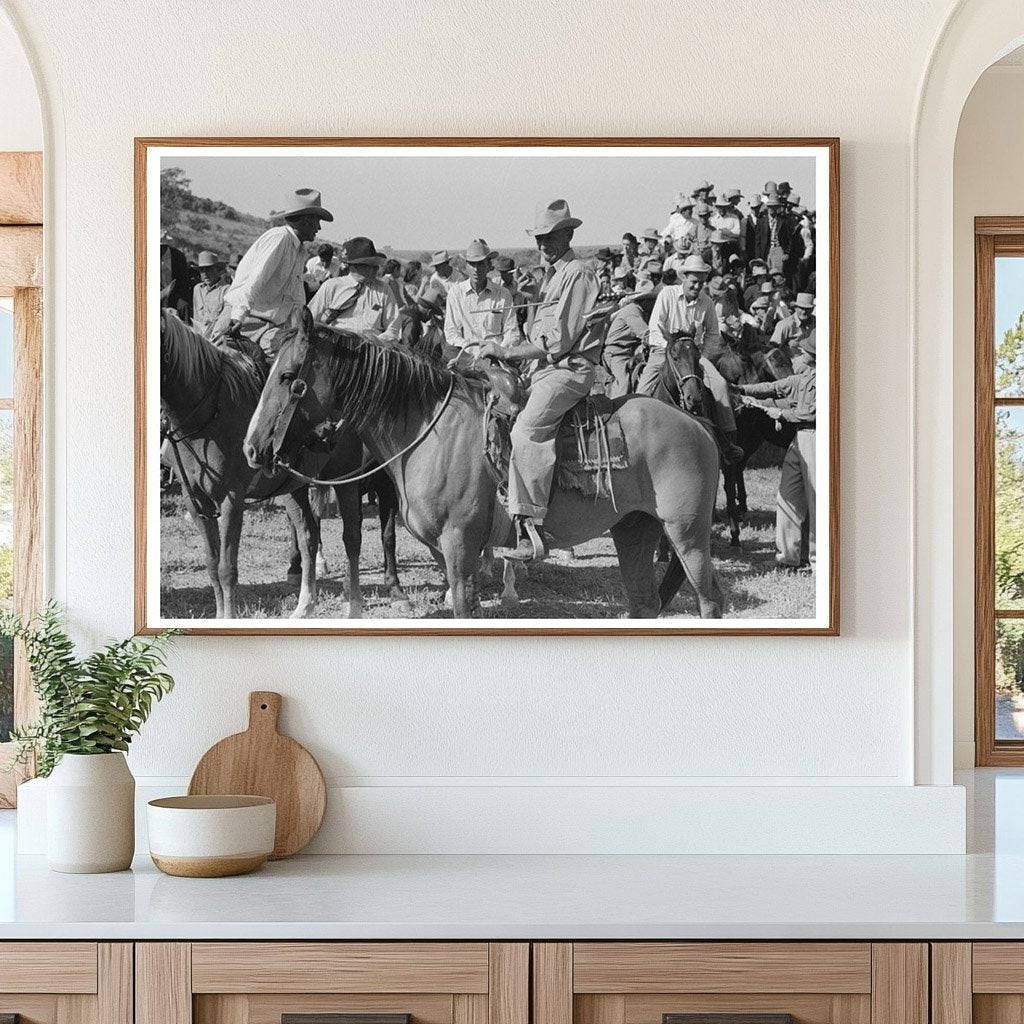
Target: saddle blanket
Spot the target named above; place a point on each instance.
(590, 444)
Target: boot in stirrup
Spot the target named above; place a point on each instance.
(532, 546)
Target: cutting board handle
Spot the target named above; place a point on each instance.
(264, 710)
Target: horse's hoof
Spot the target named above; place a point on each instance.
(302, 612)
(734, 541)
(448, 602)
(355, 611)
(509, 600)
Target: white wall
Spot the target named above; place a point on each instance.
(396, 713)
(988, 181)
(21, 125)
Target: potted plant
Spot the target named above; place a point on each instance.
(89, 709)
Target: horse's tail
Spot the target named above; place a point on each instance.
(673, 580)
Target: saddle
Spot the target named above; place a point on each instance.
(590, 443)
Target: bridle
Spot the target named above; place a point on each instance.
(297, 390)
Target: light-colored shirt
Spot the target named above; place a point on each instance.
(207, 304)
(268, 281)
(799, 392)
(471, 317)
(356, 306)
(317, 273)
(568, 294)
(789, 331)
(673, 313)
(679, 226)
(731, 223)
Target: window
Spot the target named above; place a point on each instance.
(999, 490)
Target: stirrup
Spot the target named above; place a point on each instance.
(531, 546)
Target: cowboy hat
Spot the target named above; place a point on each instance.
(604, 254)
(654, 267)
(773, 199)
(651, 234)
(553, 217)
(805, 300)
(439, 257)
(793, 199)
(761, 302)
(756, 201)
(621, 273)
(695, 265)
(209, 259)
(680, 199)
(360, 250)
(723, 201)
(478, 251)
(503, 264)
(808, 344)
(771, 188)
(758, 267)
(767, 288)
(304, 202)
(718, 287)
(720, 237)
(734, 193)
(702, 210)
(686, 204)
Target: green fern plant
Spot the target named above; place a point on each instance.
(90, 705)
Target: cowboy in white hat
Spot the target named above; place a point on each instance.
(564, 349)
(208, 294)
(443, 274)
(681, 225)
(479, 310)
(686, 311)
(267, 291)
(795, 502)
(358, 301)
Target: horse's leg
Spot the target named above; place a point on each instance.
(461, 565)
(350, 503)
(695, 555)
(636, 538)
(209, 530)
(387, 510)
(730, 480)
(230, 523)
(487, 564)
(294, 557)
(509, 594)
(319, 500)
(307, 530)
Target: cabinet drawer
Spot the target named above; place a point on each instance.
(48, 967)
(737, 982)
(340, 967)
(261, 982)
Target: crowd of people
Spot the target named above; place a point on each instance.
(726, 282)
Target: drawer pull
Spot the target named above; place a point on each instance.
(728, 1018)
(340, 1018)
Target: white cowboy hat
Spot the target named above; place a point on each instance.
(694, 265)
(209, 259)
(478, 251)
(552, 217)
(302, 202)
(439, 257)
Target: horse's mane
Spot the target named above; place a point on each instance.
(377, 379)
(188, 356)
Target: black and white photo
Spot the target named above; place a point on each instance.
(405, 386)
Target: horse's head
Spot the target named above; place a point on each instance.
(683, 372)
(296, 406)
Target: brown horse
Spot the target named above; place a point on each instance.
(425, 423)
(208, 394)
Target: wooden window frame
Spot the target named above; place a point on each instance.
(21, 271)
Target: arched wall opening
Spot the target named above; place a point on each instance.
(975, 35)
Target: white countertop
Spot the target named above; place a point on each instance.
(532, 897)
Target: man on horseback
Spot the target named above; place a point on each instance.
(267, 289)
(478, 310)
(564, 348)
(358, 301)
(685, 311)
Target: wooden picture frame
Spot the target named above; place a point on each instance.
(993, 237)
(21, 261)
(148, 619)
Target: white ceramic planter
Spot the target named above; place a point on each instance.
(90, 814)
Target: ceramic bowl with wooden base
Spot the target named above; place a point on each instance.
(211, 836)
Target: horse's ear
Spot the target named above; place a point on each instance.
(307, 322)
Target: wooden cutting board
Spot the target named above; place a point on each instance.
(262, 762)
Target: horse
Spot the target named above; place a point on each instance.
(208, 393)
(741, 361)
(426, 424)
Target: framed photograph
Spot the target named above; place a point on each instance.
(487, 386)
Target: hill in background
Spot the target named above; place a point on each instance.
(193, 223)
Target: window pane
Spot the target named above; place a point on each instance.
(1009, 322)
(1009, 512)
(1009, 679)
(6, 348)
(6, 567)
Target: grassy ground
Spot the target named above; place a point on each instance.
(586, 585)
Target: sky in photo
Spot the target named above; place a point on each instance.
(430, 202)
(1009, 293)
